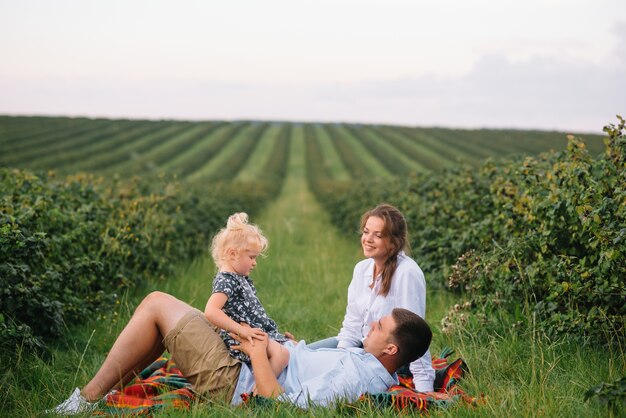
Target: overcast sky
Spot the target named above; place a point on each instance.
(548, 64)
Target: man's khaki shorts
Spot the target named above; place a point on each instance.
(202, 356)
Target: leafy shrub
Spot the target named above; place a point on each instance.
(610, 394)
(542, 235)
(68, 245)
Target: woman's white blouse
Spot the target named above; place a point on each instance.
(365, 305)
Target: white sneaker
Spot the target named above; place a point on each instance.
(73, 405)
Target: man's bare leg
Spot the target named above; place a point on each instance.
(139, 343)
(149, 359)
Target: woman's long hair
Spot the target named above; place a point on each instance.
(395, 229)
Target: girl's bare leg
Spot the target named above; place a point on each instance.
(278, 357)
(139, 343)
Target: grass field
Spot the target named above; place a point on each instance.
(303, 285)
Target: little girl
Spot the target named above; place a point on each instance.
(234, 300)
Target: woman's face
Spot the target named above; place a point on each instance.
(374, 244)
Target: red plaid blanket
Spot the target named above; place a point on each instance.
(446, 391)
(161, 386)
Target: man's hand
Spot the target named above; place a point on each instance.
(251, 346)
(266, 383)
(249, 334)
(291, 337)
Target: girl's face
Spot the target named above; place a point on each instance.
(374, 244)
(243, 262)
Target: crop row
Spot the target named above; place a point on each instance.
(351, 155)
(160, 156)
(318, 173)
(18, 133)
(276, 165)
(87, 149)
(23, 150)
(230, 166)
(221, 150)
(390, 158)
(196, 156)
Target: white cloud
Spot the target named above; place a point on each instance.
(452, 63)
(618, 54)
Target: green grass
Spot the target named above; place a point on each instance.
(533, 376)
(308, 265)
(303, 285)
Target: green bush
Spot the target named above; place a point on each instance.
(561, 243)
(610, 394)
(67, 246)
(538, 239)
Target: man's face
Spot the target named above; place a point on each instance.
(379, 339)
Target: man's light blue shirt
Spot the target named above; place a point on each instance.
(321, 377)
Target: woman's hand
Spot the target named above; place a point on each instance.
(244, 332)
(291, 337)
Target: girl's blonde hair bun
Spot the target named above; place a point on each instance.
(239, 235)
(237, 222)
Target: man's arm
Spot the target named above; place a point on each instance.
(266, 383)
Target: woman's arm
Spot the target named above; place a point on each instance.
(350, 333)
(410, 294)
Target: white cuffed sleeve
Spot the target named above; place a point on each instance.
(410, 293)
(350, 333)
(423, 373)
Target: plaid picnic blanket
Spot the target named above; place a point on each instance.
(446, 390)
(162, 386)
(159, 386)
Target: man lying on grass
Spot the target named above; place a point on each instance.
(312, 377)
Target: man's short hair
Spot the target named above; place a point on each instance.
(412, 335)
